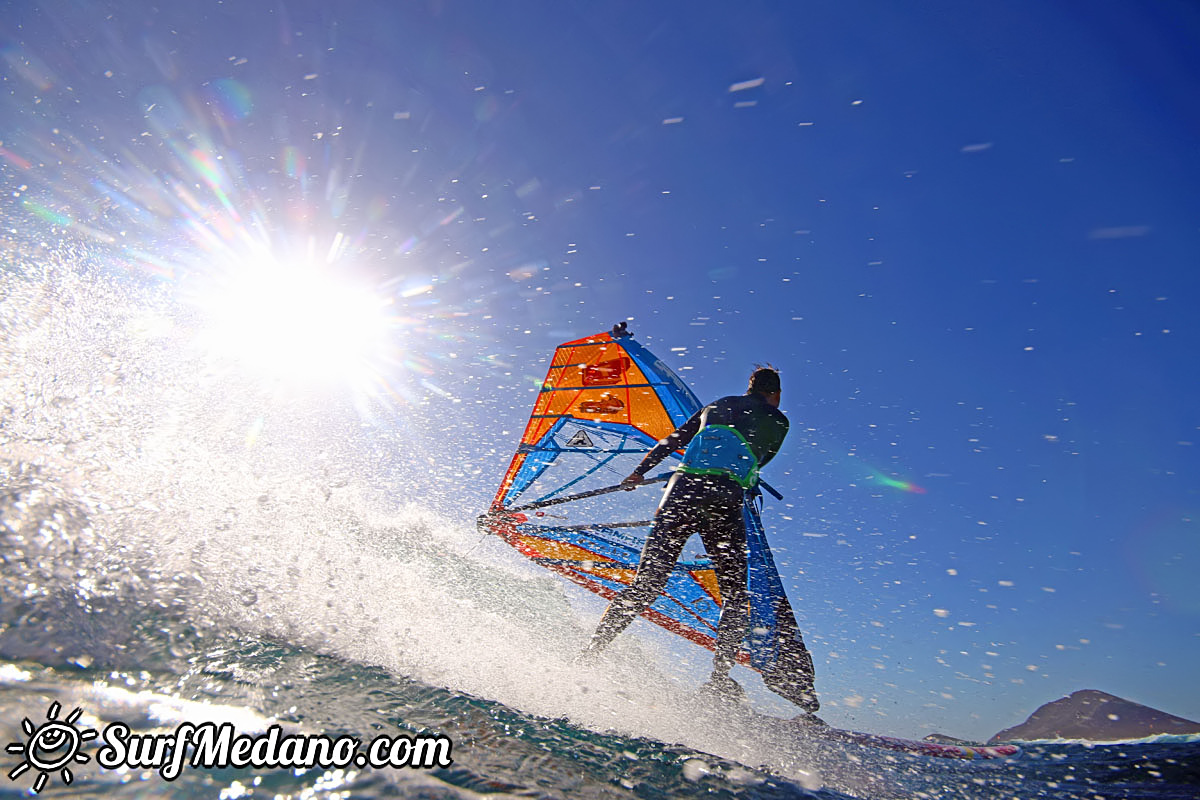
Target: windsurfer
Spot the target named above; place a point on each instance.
(727, 442)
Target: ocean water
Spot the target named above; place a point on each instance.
(180, 544)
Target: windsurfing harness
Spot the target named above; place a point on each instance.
(605, 403)
(721, 450)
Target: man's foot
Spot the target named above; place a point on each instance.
(589, 655)
(725, 688)
(809, 702)
(810, 719)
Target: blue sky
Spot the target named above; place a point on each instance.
(965, 232)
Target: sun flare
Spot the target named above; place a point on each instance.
(299, 323)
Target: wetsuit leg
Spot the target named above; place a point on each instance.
(674, 523)
(724, 538)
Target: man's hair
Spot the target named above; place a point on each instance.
(764, 379)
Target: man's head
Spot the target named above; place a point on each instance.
(765, 381)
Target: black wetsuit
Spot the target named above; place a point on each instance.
(710, 505)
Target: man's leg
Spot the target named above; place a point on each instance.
(667, 538)
(725, 542)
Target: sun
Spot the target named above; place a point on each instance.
(52, 746)
(304, 324)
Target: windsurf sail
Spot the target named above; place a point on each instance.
(607, 401)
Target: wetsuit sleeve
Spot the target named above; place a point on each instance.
(774, 442)
(677, 440)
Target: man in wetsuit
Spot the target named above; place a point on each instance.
(728, 442)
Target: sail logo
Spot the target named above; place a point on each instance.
(606, 373)
(55, 747)
(580, 439)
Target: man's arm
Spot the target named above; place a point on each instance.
(776, 442)
(676, 440)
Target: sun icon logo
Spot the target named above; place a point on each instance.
(52, 746)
